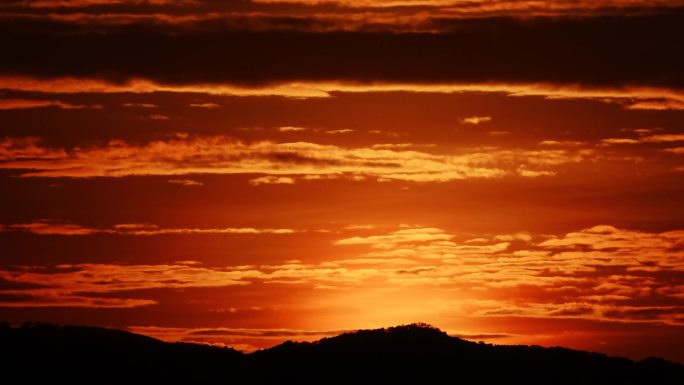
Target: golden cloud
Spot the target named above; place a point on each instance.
(21, 104)
(55, 228)
(529, 6)
(88, 3)
(602, 272)
(185, 182)
(629, 97)
(280, 162)
(475, 120)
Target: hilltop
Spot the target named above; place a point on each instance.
(409, 354)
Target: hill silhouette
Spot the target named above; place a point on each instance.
(410, 354)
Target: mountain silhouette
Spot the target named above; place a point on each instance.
(41, 353)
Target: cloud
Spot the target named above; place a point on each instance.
(658, 139)
(561, 143)
(209, 106)
(158, 117)
(610, 141)
(523, 171)
(79, 285)
(528, 7)
(21, 104)
(475, 120)
(271, 180)
(45, 228)
(624, 96)
(224, 155)
(185, 182)
(663, 138)
(48, 298)
(597, 273)
(498, 50)
(323, 17)
(675, 150)
(359, 227)
(140, 105)
(291, 129)
(399, 236)
(498, 133)
(444, 7)
(609, 237)
(337, 132)
(393, 146)
(154, 230)
(89, 3)
(55, 228)
(26, 148)
(658, 105)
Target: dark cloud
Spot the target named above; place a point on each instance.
(6, 284)
(20, 298)
(571, 312)
(595, 51)
(645, 314)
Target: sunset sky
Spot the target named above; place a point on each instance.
(246, 172)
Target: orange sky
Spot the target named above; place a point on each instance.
(253, 172)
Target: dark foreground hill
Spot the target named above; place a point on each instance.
(414, 354)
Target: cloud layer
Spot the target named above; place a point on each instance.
(224, 155)
(56, 228)
(606, 51)
(598, 273)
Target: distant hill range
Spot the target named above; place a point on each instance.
(414, 354)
